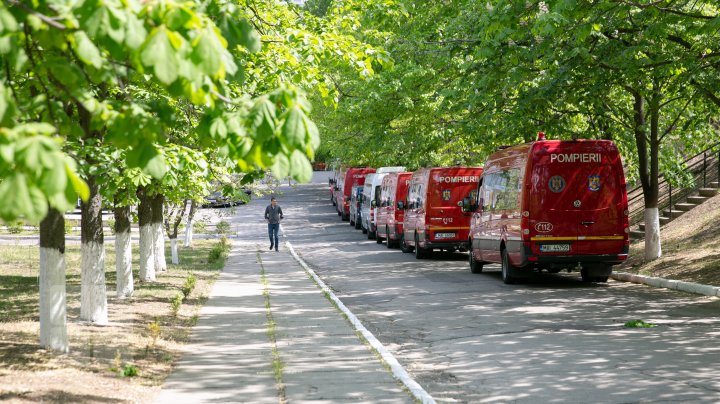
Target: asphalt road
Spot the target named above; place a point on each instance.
(470, 338)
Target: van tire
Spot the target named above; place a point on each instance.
(344, 217)
(378, 239)
(590, 273)
(476, 267)
(364, 231)
(358, 225)
(420, 253)
(371, 235)
(508, 271)
(352, 222)
(390, 242)
(403, 245)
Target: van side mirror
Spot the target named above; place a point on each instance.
(465, 204)
(401, 205)
(373, 203)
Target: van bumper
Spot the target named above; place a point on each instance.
(457, 245)
(611, 259)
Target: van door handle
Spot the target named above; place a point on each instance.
(587, 223)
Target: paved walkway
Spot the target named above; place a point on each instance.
(230, 357)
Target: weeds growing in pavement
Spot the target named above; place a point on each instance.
(639, 324)
(277, 363)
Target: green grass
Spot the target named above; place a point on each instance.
(638, 324)
(19, 275)
(277, 363)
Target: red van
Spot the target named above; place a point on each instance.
(551, 205)
(434, 218)
(354, 177)
(389, 218)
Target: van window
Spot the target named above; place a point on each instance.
(501, 190)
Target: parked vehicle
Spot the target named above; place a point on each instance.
(371, 199)
(355, 199)
(434, 218)
(551, 205)
(354, 177)
(335, 180)
(389, 217)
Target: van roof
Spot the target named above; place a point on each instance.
(390, 169)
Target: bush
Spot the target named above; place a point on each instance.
(130, 370)
(69, 224)
(219, 251)
(189, 285)
(175, 303)
(155, 331)
(200, 226)
(222, 227)
(111, 224)
(15, 228)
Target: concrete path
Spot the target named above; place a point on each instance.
(230, 358)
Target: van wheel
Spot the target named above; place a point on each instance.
(420, 253)
(390, 242)
(352, 222)
(508, 271)
(476, 267)
(378, 239)
(364, 231)
(403, 245)
(371, 235)
(358, 226)
(344, 217)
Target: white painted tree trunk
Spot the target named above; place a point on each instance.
(174, 251)
(653, 245)
(53, 317)
(123, 265)
(93, 305)
(147, 257)
(189, 232)
(159, 247)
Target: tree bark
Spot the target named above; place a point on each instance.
(189, 227)
(93, 294)
(123, 253)
(158, 233)
(648, 170)
(53, 314)
(174, 251)
(147, 258)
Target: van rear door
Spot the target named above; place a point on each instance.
(448, 187)
(576, 204)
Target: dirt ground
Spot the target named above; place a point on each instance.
(690, 248)
(91, 372)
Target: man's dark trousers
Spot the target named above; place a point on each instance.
(273, 229)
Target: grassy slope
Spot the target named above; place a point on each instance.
(691, 248)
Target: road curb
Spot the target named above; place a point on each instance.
(398, 371)
(682, 286)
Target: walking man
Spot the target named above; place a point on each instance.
(273, 215)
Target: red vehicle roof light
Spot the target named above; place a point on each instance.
(541, 136)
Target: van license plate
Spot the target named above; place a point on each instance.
(555, 248)
(444, 235)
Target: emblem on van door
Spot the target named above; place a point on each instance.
(543, 227)
(594, 183)
(446, 194)
(577, 203)
(556, 183)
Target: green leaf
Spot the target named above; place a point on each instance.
(160, 55)
(218, 128)
(281, 166)
(148, 158)
(293, 128)
(7, 21)
(135, 32)
(20, 197)
(301, 167)
(78, 184)
(205, 54)
(264, 122)
(248, 37)
(313, 135)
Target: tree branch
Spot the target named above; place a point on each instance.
(47, 20)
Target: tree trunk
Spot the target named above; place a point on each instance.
(53, 317)
(158, 232)
(648, 167)
(123, 253)
(93, 295)
(147, 258)
(189, 227)
(174, 251)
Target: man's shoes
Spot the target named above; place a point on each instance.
(276, 250)
(271, 247)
